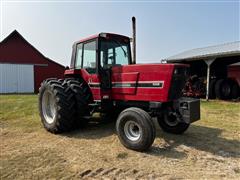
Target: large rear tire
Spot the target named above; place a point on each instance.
(56, 106)
(135, 129)
(170, 124)
(82, 97)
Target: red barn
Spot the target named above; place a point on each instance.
(23, 67)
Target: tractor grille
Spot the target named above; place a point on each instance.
(179, 78)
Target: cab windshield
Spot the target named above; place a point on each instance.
(114, 53)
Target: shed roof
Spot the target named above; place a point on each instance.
(221, 50)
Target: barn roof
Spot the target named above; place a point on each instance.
(222, 50)
(16, 33)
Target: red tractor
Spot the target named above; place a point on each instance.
(102, 78)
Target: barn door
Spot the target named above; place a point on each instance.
(16, 78)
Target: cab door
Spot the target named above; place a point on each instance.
(113, 53)
(105, 79)
(86, 61)
(105, 73)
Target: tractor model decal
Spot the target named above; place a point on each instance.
(140, 84)
(94, 85)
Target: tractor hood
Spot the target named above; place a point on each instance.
(154, 82)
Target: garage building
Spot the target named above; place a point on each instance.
(23, 67)
(214, 64)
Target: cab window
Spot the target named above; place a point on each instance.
(89, 57)
(78, 62)
(114, 53)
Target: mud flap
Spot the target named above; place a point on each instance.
(188, 108)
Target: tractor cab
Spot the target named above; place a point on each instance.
(98, 54)
(101, 51)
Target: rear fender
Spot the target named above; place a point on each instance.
(81, 74)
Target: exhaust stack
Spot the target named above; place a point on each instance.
(134, 40)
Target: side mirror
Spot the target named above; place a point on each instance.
(66, 67)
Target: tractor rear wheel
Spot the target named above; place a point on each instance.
(223, 89)
(56, 106)
(135, 129)
(82, 97)
(170, 124)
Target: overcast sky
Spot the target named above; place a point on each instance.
(163, 28)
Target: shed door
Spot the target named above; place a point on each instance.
(16, 78)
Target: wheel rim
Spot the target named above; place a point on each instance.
(171, 120)
(132, 130)
(48, 107)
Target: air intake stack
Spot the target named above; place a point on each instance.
(134, 40)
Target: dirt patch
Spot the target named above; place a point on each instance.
(209, 149)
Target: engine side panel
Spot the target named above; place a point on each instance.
(124, 83)
(152, 84)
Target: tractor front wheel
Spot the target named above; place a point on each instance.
(135, 129)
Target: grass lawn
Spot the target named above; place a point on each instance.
(209, 149)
